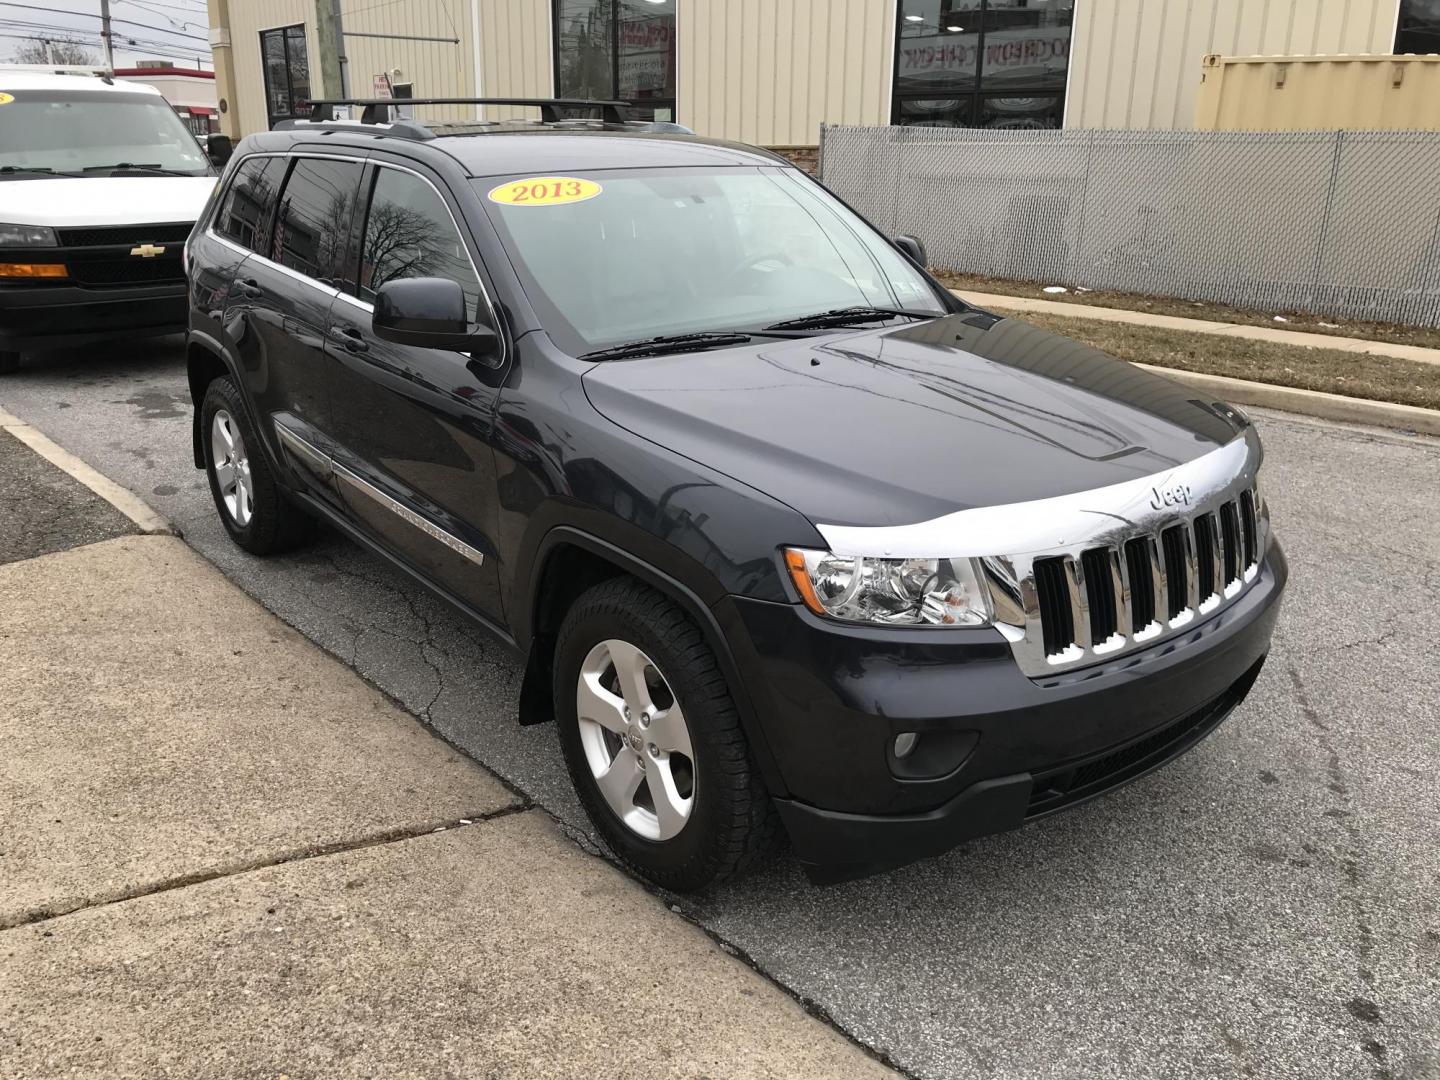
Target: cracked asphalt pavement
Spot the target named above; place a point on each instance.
(1267, 906)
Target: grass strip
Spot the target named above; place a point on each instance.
(1196, 309)
(1359, 375)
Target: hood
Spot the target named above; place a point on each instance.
(889, 427)
(67, 202)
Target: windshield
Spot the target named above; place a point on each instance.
(610, 257)
(70, 132)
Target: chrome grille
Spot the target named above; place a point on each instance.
(1079, 579)
(1147, 584)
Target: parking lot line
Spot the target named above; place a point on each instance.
(122, 499)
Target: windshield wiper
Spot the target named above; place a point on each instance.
(672, 343)
(130, 166)
(846, 316)
(17, 170)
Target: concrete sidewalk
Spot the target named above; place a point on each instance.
(224, 854)
(1023, 304)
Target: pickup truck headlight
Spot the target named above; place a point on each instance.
(890, 592)
(26, 236)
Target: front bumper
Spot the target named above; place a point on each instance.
(832, 699)
(38, 317)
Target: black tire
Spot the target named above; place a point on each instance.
(732, 823)
(274, 523)
(9, 361)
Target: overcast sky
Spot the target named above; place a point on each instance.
(174, 30)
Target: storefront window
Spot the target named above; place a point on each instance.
(982, 63)
(1418, 30)
(287, 72)
(617, 50)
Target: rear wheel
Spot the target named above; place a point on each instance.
(653, 742)
(9, 361)
(252, 506)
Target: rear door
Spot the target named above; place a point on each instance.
(283, 297)
(412, 426)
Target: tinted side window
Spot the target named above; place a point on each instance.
(244, 216)
(408, 234)
(314, 217)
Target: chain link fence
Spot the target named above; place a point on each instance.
(1331, 223)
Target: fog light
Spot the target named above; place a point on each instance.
(905, 743)
(33, 270)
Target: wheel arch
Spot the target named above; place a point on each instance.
(569, 561)
(205, 361)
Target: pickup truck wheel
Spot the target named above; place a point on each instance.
(9, 361)
(252, 507)
(653, 742)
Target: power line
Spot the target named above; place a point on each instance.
(87, 15)
(181, 23)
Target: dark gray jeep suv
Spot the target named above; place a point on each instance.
(790, 540)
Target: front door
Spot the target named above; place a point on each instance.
(411, 425)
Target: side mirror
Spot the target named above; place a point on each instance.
(430, 313)
(912, 247)
(218, 148)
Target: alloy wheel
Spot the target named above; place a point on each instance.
(636, 740)
(231, 465)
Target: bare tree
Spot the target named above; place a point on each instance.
(64, 51)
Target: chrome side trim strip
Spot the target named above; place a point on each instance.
(400, 510)
(1069, 522)
(327, 467)
(317, 461)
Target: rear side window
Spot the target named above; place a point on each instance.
(313, 222)
(244, 216)
(408, 234)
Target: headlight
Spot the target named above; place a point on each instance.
(891, 592)
(23, 236)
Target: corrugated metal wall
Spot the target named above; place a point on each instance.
(1136, 63)
(514, 38)
(1320, 93)
(515, 53)
(772, 71)
(247, 19)
(436, 68)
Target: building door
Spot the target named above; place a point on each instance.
(286, 65)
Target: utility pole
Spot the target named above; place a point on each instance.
(332, 48)
(105, 38)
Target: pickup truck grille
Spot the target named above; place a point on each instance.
(1135, 588)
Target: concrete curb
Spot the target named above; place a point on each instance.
(122, 499)
(1308, 402)
(1417, 353)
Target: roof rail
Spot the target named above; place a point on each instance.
(377, 110)
(403, 129)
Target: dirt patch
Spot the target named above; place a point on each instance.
(1196, 309)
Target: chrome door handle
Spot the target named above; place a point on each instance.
(350, 339)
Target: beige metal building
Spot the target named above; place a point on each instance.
(772, 71)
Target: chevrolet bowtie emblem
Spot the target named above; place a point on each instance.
(147, 251)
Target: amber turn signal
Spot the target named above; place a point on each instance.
(33, 270)
(795, 562)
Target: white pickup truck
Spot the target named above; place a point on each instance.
(100, 184)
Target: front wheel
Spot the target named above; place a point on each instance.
(252, 506)
(653, 742)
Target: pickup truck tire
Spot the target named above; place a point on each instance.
(9, 361)
(673, 730)
(251, 505)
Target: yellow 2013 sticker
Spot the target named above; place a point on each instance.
(545, 191)
(6, 99)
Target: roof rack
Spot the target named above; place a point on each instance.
(377, 110)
